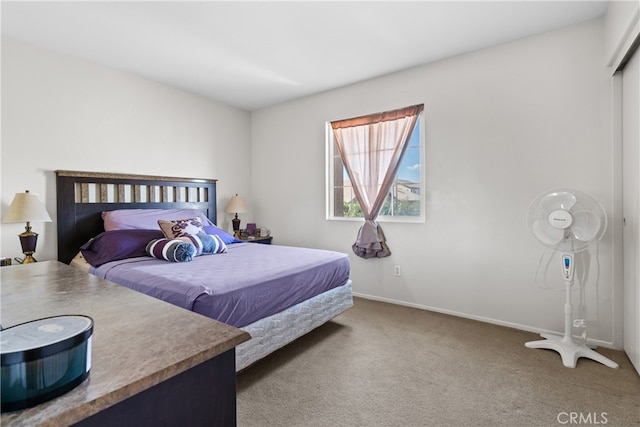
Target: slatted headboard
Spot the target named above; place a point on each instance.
(83, 196)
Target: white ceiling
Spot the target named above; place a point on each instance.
(255, 54)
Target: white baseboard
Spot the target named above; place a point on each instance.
(590, 342)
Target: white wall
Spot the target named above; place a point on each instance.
(502, 126)
(63, 113)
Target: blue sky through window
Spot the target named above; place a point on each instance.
(410, 166)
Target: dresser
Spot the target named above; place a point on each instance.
(152, 363)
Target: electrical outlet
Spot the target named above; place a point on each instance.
(396, 270)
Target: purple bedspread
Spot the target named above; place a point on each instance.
(249, 282)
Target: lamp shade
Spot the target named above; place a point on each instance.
(26, 207)
(236, 205)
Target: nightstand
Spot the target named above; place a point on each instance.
(265, 240)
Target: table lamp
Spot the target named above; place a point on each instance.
(26, 207)
(236, 205)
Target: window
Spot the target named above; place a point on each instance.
(405, 200)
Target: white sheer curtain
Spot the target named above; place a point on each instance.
(371, 148)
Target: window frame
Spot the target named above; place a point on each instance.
(330, 153)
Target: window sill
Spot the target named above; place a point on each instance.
(382, 220)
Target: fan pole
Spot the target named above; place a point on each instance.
(569, 350)
(567, 274)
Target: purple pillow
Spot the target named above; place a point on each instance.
(226, 237)
(118, 244)
(147, 219)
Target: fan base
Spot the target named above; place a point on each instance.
(570, 351)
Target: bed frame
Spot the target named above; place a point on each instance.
(83, 196)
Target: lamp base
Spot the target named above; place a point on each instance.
(28, 241)
(236, 226)
(28, 258)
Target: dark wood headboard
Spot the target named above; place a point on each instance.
(83, 196)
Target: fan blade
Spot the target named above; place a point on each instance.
(546, 233)
(559, 200)
(586, 225)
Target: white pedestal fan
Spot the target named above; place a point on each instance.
(567, 221)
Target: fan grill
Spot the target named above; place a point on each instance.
(566, 220)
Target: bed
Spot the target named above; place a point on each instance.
(275, 293)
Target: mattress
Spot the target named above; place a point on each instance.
(248, 283)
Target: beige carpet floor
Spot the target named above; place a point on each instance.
(381, 364)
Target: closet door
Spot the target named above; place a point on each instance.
(631, 206)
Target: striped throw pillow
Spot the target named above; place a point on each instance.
(197, 240)
(171, 250)
(205, 243)
(217, 245)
